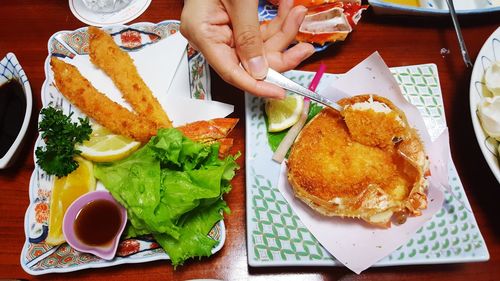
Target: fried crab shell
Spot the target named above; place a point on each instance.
(337, 176)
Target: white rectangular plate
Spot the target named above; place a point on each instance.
(276, 236)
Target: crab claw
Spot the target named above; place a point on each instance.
(211, 131)
(323, 26)
(327, 20)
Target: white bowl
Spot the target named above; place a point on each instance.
(489, 53)
(10, 68)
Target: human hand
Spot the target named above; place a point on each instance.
(228, 33)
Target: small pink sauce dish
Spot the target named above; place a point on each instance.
(91, 218)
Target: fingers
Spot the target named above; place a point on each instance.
(205, 21)
(275, 24)
(210, 34)
(288, 30)
(238, 77)
(225, 62)
(247, 38)
(284, 61)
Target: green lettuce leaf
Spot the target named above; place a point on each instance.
(175, 151)
(193, 241)
(183, 181)
(135, 183)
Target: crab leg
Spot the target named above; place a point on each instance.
(210, 130)
(327, 20)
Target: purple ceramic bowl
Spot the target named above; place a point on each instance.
(105, 252)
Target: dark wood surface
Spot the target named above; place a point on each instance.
(26, 25)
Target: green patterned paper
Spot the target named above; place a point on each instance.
(277, 237)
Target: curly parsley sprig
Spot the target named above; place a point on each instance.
(60, 135)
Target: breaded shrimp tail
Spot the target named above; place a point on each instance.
(119, 66)
(96, 105)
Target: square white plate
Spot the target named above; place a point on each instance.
(36, 256)
(276, 236)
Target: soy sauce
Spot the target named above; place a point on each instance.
(12, 111)
(97, 223)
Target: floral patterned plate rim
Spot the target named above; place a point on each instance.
(39, 258)
(489, 53)
(277, 237)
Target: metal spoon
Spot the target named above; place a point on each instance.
(280, 80)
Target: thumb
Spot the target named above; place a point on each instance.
(247, 36)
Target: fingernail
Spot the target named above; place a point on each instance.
(277, 95)
(301, 10)
(311, 51)
(281, 96)
(257, 67)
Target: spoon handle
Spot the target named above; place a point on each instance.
(280, 80)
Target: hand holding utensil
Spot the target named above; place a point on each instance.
(279, 79)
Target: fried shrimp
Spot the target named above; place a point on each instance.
(119, 66)
(80, 92)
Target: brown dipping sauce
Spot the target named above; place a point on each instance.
(97, 223)
(12, 111)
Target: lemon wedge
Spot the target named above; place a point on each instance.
(104, 146)
(66, 190)
(283, 114)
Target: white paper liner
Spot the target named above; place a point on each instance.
(351, 241)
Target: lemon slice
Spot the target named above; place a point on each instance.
(104, 146)
(283, 114)
(66, 190)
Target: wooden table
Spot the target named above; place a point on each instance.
(26, 25)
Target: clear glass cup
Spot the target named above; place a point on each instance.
(106, 6)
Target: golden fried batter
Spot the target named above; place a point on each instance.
(338, 176)
(374, 128)
(80, 92)
(119, 66)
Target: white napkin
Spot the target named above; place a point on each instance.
(352, 242)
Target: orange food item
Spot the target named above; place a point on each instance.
(390, 125)
(211, 131)
(64, 192)
(119, 66)
(80, 92)
(327, 20)
(338, 176)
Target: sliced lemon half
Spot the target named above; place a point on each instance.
(66, 190)
(104, 146)
(283, 114)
